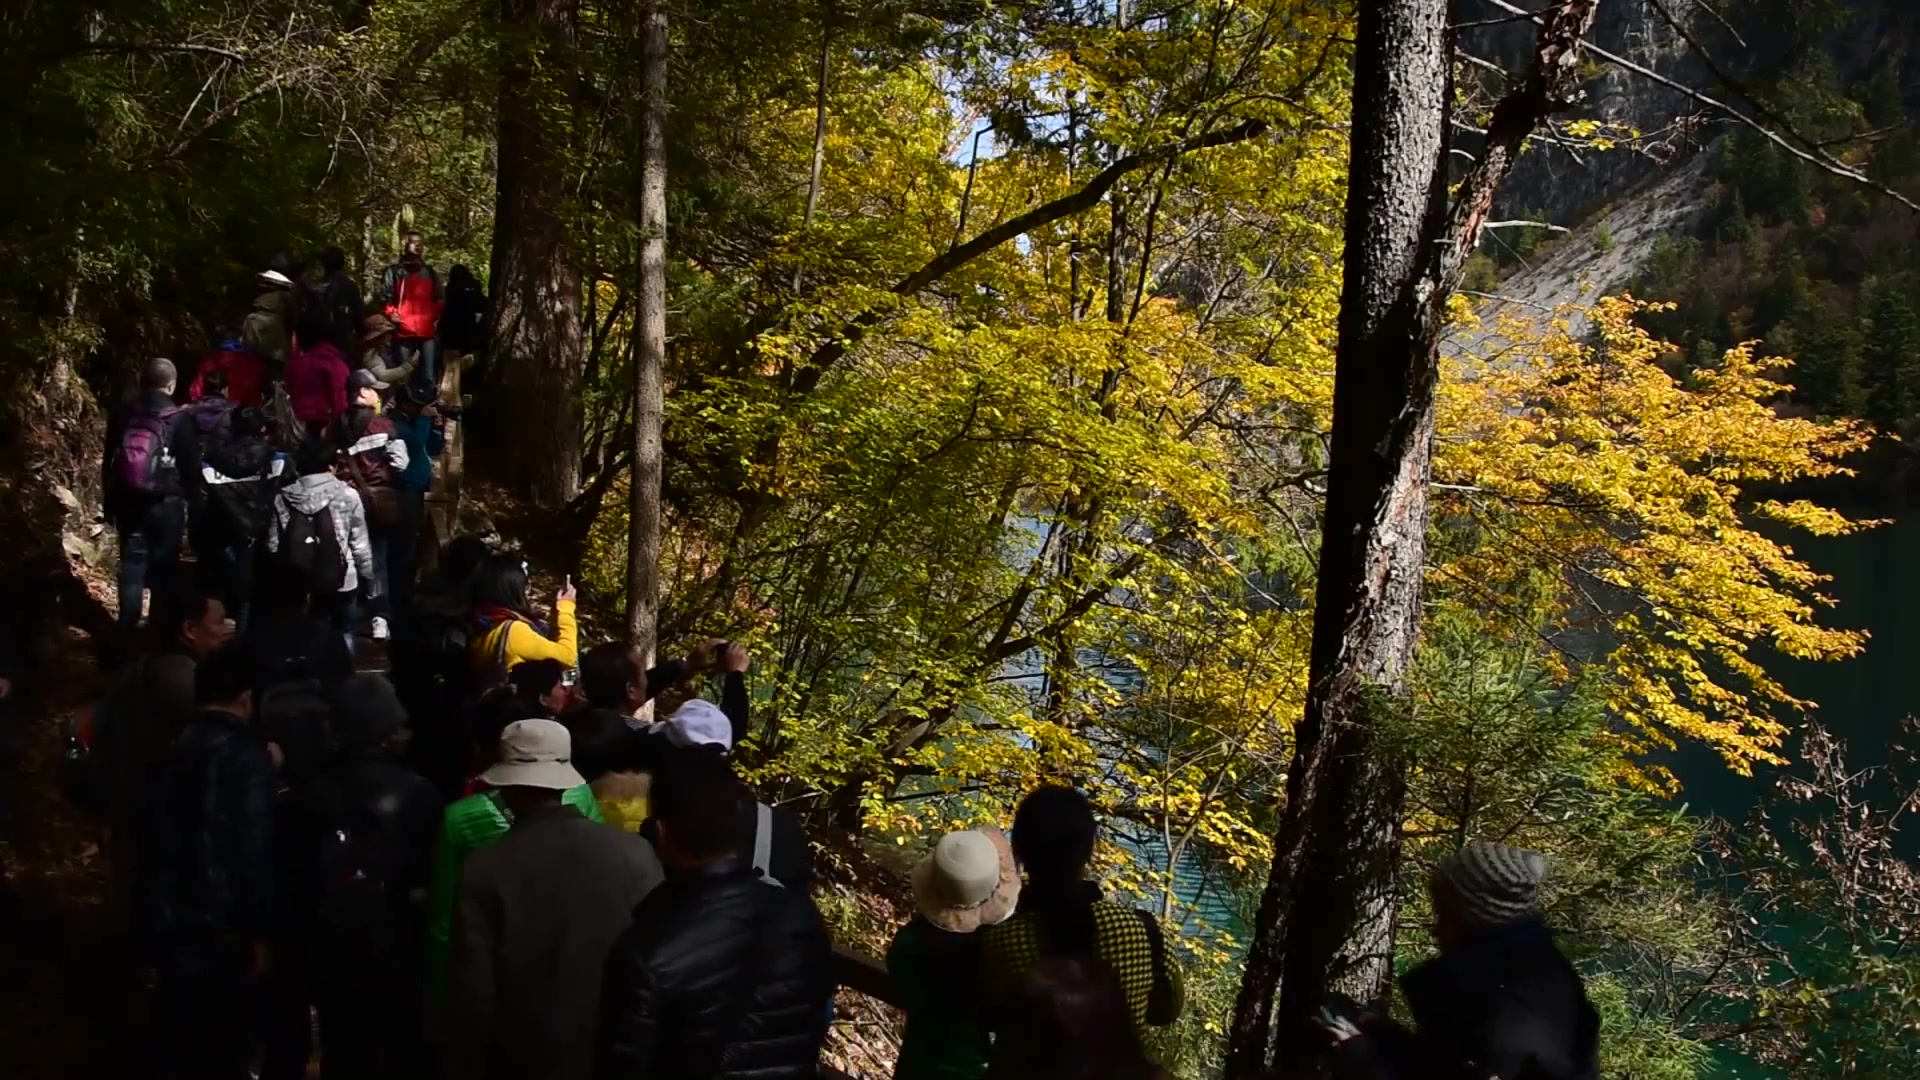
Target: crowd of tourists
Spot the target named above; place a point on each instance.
(503, 856)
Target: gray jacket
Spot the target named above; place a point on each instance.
(538, 912)
(311, 494)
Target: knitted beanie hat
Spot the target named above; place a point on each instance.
(1491, 884)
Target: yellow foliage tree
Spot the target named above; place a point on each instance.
(1638, 497)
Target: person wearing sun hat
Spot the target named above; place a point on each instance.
(376, 341)
(966, 883)
(268, 328)
(478, 821)
(538, 913)
(1499, 1001)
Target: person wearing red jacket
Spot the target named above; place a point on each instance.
(412, 295)
(244, 371)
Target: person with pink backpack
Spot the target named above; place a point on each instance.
(152, 458)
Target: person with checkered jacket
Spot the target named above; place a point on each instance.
(1061, 913)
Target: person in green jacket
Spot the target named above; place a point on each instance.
(969, 882)
(469, 825)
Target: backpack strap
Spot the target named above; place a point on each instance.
(763, 842)
(500, 647)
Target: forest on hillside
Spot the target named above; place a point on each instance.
(1005, 373)
(1810, 264)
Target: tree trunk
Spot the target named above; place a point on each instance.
(819, 138)
(1327, 917)
(537, 343)
(649, 342)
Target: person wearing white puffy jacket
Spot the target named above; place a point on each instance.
(318, 533)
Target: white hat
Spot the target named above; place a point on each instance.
(699, 723)
(275, 277)
(535, 754)
(969, 881)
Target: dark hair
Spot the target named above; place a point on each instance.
(603, 743)
(313, 457)
(366, 712)
(1053, 837)
(159, 374)
(501, 582)
(223, 676)
(531, 679)
(174, 608)
(460, 277)
(214, 382)
(487, 720)
(333, 260)
(247, 422)
(1069, 1021)
(280, 263)
(462, 556)
(316, 326)
(606, 672)
(1054, 832)
(695, 801)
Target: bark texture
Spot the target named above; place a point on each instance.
(649, 343)
(1327, 918)
(536, 279)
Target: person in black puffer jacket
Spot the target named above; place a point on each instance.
(721, 975)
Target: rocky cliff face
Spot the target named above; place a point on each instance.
(1551, 181)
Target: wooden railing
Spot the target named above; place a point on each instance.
(863, 974)
(443, 500)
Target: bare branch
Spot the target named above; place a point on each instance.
(131, 47)
(1045, 214)
(1722, 20)
(1547, 89)
(1524, 225)
(1818, 158)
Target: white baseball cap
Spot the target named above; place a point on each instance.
(699, 723)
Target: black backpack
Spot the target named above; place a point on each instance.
(295, 714)
(360, 902)
(310, 548)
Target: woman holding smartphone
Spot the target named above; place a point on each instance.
(505, 631)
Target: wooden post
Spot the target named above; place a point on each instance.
(443, 500)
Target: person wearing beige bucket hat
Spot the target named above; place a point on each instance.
(968, 882)
(538, 912)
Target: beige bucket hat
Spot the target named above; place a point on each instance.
(968, 881)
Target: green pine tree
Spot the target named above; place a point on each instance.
(1890, 368)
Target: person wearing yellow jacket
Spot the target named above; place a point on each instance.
(504, 630)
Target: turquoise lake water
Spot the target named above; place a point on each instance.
(1876, 581)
